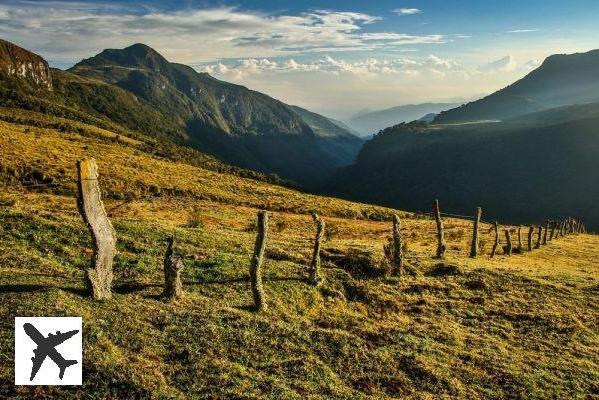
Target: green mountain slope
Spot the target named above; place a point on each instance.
(560, 80)
(141, 91)
(518, 172)
(238, 125)
(333, 138)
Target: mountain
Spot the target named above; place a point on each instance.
(561, 80)
(369, 123)
(140, 90)
(16, 62)
(519, 171)
(332, 137)
(240, 126)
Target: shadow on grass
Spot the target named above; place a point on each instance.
(30, 288)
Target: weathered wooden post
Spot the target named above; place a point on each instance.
(531, 230)
(315, 277)
(496, 243)
(552, 235)
(257, 260)
(397, 256)
(539, 237)
(520, 239)
(508, 239)
(440, 231)
(546, 232)
(173, 288)
(475, 240)
(99, 275)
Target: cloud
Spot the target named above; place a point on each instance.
(368, 67)
(524, 30)
(407, 11)
(504, 64)
(64, 31)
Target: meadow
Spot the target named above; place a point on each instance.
(521, 326)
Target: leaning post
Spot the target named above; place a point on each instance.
(475, 239)
(441, 247)
(173, 288)
(496, 243)
(520, 239)
(315, 277)
(539, 237)
(531, 230)
(257, 260)
(508, 239)
(99, 274)
(397, 258)
(546, 232)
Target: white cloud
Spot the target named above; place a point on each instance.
(64, 31)
(523, 30)
(504, 64)
(407, 11)
(364, 68)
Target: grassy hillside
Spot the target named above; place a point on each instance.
(524, 326)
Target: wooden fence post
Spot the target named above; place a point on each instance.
(475, 240)
(552, 235)
(315, 277)
(496, 243)
(257, 260)
(397, 257)
(440, 231)
(531, 230)
(508, 239)
(173, 288)
(520, 239)
(546, 231)
(99, 275)
(539, 237)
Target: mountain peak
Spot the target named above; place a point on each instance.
(138, 55)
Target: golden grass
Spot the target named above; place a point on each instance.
(523, 326)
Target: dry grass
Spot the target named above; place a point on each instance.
(524, 326)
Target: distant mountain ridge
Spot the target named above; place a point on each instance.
(562, 79)
(369, 123)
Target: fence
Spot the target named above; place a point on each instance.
(99, 275)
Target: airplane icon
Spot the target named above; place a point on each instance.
(46, 347)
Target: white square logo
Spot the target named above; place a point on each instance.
(48, 350)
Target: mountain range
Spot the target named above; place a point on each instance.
(533, 154)
(140, 90)
(369, 123)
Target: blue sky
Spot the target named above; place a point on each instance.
(334, 57)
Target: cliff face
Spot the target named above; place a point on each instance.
(18, 62)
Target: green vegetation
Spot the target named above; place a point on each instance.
(521, 171)
(509, 327)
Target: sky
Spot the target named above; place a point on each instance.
(332, 57)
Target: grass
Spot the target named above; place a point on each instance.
(524, 326)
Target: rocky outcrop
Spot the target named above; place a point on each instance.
(20, 63)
